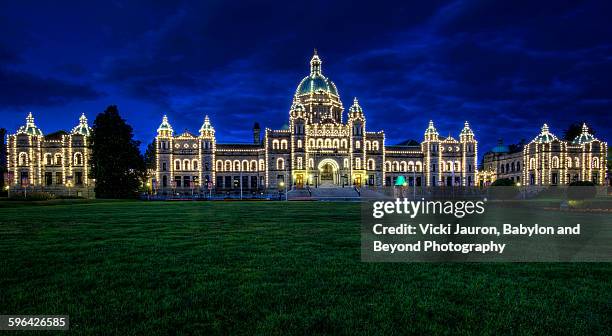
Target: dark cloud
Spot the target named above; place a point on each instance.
(20, 89)
(506, 66)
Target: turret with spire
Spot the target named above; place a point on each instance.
(466, 133)
(315, 64)
(584, 137)
(30, 127)
(82, 128)
(165, 129)
(431, 134)
(207, 131)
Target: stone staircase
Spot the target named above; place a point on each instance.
(333, 194)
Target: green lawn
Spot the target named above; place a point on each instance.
(138, 268)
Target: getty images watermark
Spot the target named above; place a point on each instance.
(414, 230)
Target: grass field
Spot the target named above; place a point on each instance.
(138, 268)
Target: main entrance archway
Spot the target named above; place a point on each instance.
(328, 172)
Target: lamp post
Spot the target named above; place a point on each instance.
(8, 191)
(281, 184)
(148, 190)
(69, 185)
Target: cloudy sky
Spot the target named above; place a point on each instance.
(507, 67)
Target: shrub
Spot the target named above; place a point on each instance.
(33, 196)
(503, 189)
(580, 190)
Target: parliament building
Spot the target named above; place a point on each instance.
(323, 146)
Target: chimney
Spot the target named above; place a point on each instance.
(256, 134)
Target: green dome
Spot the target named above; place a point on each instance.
(30, 128)
(315, 83)
(545, 136)
(584, 137)
(82, 128)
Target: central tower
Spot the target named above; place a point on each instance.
(319, 95)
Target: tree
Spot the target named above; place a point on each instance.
(574, 130)
(149, 156)
(117, 165)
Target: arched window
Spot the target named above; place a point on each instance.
(336, 143)
(388, 166)
(280, 164)
(568, 163)
(507, 167)
(395, 166)
(253, 165)
(48, 159)
(368, 145)
(275, 144)
(328, 143)
(532, 163)
(283, 144)
(419, 166)
(358, 144)
(311, 163)
(345, 163)
(403, 166)
(236, 165)
(245, 165)
(371, 164)
(319, 143)
(228, 165)
(357, 163)
(518, 165)
(186, 165)
(78, 159)
(555, 162)
(512, 166)
(375, 145)
(299, 143)
(58, 159)
(596, 162)
(177, 164)
(457, 166)
(219, 165)
(343, 143)
(410, 166)
(262, 165)
(311, 143)
(194, 164)
(23, 159)
(577, 163)
(449, 166)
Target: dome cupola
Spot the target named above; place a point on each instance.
(584, 137)
(30, 127)
(207, 130)
(545, 136)
(316, 82)
(82, 128)
(165, 129)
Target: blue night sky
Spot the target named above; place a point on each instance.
(507, 67)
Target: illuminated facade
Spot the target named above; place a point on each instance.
(57, 163)
(548, 160)
(322, 147)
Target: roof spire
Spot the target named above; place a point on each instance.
(315, 64)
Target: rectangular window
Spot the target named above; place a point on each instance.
(59, 178)
(48, 178)
(78, 178)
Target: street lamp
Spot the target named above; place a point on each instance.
(281, 184)
(69, 185)
(148, 190)
(8, 191)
